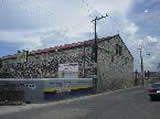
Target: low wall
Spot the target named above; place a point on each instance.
(36, 90)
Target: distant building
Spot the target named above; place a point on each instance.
(115, 63)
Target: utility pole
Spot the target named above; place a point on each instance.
(95, 34)
(84, 58)
(142, 66)
(95, 43)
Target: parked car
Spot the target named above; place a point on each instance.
(154, 91)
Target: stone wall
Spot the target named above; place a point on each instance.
(46, 64)
(114, 70)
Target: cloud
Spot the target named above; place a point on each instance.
(22, 38)
(152, 41)
(113, 6)
(147, 16)
(145, 11)
(131, 29)
(35, 24)
(22, 23)
(42, 38)
(151, 46)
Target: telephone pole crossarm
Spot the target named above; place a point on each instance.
(95, 33)
(99, 18)
(95, 44)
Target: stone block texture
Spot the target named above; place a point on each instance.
(114, 66)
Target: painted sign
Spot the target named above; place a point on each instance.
(22, 56)
(71, 67)
(67, 85)
(30, 86)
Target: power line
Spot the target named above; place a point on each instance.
(95, 32)
(95, 43)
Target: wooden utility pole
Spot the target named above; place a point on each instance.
(84, 61)
(142, 66)
(95, 34)
(95, 43)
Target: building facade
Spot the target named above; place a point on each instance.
(114, 63)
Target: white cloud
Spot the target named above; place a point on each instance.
(62, 21)
(131, 29)
(54, 22)
(151, 47)
(22, 38)
(70, 17)
(41, 38)
(113, 6)
(151, 39)
(145, 11)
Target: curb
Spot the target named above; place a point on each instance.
(37, 106)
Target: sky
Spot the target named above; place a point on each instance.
(36, 24)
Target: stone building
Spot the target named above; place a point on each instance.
(114, 66)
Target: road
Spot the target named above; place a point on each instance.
(129, 104)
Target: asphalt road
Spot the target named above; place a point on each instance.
(129, 104)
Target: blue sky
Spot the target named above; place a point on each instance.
(34, 24)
